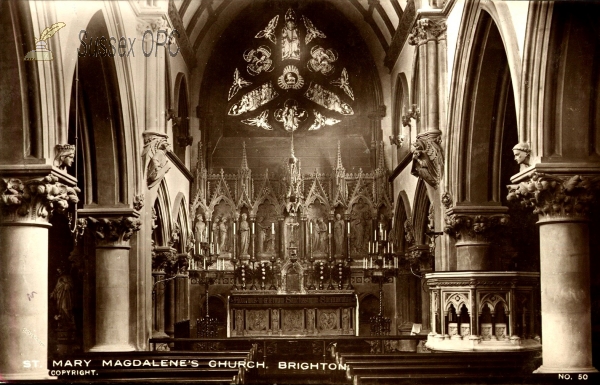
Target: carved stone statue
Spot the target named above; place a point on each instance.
(358, 232)
(262, 234)
(322, 234)
(63, 295)
(224, 238)
(244, 235)
(200, 230)
(522, 152)
(338, 234)
(215, 231)
(65, 155)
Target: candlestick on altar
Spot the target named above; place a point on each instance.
(273, 228)
(310, 225)
(348, 227)
(329, 227)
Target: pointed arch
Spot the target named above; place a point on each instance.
(180, 213)
(164, 221)
(401, 215)
(102, 159)
(420, 212)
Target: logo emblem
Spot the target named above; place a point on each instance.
(41, 51)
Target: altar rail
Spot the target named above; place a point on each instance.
(305, 345)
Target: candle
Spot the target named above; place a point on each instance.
(348, 227)
(329, 227)
(273, 228)
(392, 245)
(310, 227)
(233, 227)
(371, 263)
(204, 263)
(252, 227)
(369, 247)
(375, 235)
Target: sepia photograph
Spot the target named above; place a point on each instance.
(327, 192)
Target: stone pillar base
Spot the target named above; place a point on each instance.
(113, 348)
(37, 375)
(547, 369)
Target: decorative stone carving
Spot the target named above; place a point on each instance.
(338, 234)
(164, 259)
(420, 258)
(452, 329)
(114, 230)
(425, 30)
(409, 231)
(465, 330)
(328, 320)
(486, 331)
(138, 202)
(500, 331)
(522, 152)
(152, 25)
(428, 157)
(34, 200)
(447, 200)
(413, 113)
(154, 156)
(65, 155)
(553, 196)
(473, 227)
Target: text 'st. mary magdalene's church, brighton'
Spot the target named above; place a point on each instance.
(303, 181)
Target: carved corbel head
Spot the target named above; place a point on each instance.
(522, 153)
(65, 156)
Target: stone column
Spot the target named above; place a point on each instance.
(163, 259)
(180, 297)
(170, 305)
(426, 35)
(26, 206)
(112, 279)
(472, 227)
(158, 321)
(562, 204)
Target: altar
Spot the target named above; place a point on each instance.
(267, 313)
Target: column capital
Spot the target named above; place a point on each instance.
(113, 230)
(475, 223)
(428, 157)
(164, 259)
(427, 29)
(552, 197)
(34, 200)
(151, 23)
(420, 257)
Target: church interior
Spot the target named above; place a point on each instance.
(300, 191)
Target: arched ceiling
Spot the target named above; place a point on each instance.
(198, 16)
(386, 19)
